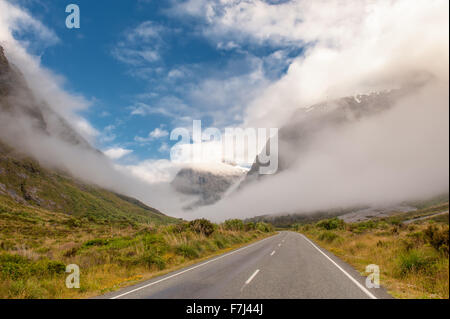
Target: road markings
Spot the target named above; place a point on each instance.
(273, 253)
(367, 292)
(279, 245)
(249, 280)
(192, 268)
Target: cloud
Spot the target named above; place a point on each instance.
(153, 171)
(117, 152)
(164, 148)
(347, 48)
(16, 19)
(157, 133)
(141, 45)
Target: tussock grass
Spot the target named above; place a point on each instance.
(413, 259)
(35, 250)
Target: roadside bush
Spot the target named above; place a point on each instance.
(412, 261)
(178, 228)
(362, 226)
(202, 226)
(329, 224)
(15, 267)
(187, 251)
(249, 226)
(234, 224)
(96, 242)
(438, 238)
(152, 259)
(328, 236)
(264, 227)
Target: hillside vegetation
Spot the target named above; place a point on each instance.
(24, 184)
(413, 258)
(36, 245)
(49, 220)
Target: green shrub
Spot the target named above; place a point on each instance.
(202, 226)
(151, 240)
(152, 259)
(250, 226)
(328, 236)
(187, 251)
(178, 228)
(412, 261)
(264, 227)
(50, 267)
(73, 222)
(437, 237)
(234, 224)
(362, 226)
(15, 267)
(329, 224)
(96, 242)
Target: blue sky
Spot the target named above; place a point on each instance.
(146, 69)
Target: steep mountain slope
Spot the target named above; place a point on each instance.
(17, 100)
(297, 136)
(208, 182)
(25, 183)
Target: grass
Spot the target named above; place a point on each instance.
(36, 245)
(26, 183)
(413, 259)
(49, 220)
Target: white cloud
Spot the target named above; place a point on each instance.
(46, 85)
(14, 18)
(157, 133)
(141, 45)
(117, 152)
(164, 148)
(153, 171)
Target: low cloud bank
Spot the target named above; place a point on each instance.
(398, 155)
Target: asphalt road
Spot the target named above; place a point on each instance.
(287, 265)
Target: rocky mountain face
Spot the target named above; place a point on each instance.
(297, 136)
(25, 185)
(208, 183)
(18, 101)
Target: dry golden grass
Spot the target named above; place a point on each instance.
(409, 266)
(110, 256)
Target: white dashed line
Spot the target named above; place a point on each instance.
(273, 253)
(249, 280)
(190, 269)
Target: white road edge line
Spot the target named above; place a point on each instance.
(249, 280)
(273, 253)
(367, 292)
(192, 268)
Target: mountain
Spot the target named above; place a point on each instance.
(208, 183)
(25, 184)
(17, 100)
(297, 135)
